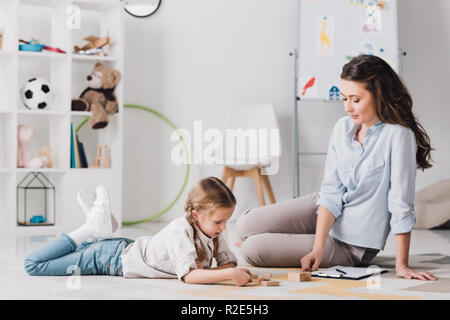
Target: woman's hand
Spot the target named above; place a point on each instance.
(312, 260)
(407, 273)
(241, 276)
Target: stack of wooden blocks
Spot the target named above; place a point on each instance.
(265, 280)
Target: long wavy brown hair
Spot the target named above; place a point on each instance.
(208, 194)
(393, 102)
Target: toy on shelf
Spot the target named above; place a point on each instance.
(37, 219)
(36, 94)
(102, 159)
(35, 201)
(35, 46)
(99, 97)
(46, 152)
(25, 157)
(94, 46)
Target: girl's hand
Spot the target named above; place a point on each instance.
(241, 276)
(407, 273)
(312, 260)
(199, 264)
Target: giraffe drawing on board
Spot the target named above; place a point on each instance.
(325, 40)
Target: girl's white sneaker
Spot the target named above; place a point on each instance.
(97, 208)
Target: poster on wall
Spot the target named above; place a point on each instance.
(309, 87)
(325, 36)
(332, 32)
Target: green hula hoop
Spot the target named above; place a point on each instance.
(186, 176)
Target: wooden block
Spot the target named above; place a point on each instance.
(270, 283)
(252, 284)
(305, 276)
(294, 276)
(256, 280)
(299, 276)
(266, 276)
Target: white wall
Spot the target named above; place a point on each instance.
(424, 33)
(195, 59)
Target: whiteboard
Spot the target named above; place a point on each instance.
(334, 31)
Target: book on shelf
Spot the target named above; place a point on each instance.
(74, 149)
(72, 152)
(78, 157)
(82, 153)
(75, 146)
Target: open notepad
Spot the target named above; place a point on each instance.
(340, 272)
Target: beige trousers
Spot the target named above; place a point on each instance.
(279, 235)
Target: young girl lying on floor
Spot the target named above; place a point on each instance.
(184, 249)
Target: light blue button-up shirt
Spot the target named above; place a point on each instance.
(370, 188)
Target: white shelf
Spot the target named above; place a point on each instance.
(40, 170)
(81, 113)
(39, 3)
(97, 5)
(7, 53)
(7, 111)
(91, 58)
(42, 54)
(45, 20)
(57, 170)
(36, 230)
(41, 112)
(91, 170)
(87, 114)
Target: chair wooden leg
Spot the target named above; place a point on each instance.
(231, 186)
(266, 182)
(229, 175)
(258, 184)
(225, 175)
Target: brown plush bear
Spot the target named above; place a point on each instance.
(99, 97)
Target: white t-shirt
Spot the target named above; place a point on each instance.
(171, 252)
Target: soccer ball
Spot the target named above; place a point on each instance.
(36, 94)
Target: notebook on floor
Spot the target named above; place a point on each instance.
(353, 273)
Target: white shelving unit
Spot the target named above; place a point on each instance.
(46, 21)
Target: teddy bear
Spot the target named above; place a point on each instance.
(99, 97)
(24, 156)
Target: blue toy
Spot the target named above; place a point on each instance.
(38, 219)
(334, 93)
(33, 45)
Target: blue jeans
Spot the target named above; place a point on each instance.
(62, 257)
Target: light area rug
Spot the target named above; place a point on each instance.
(383, 287)
(16, 284)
